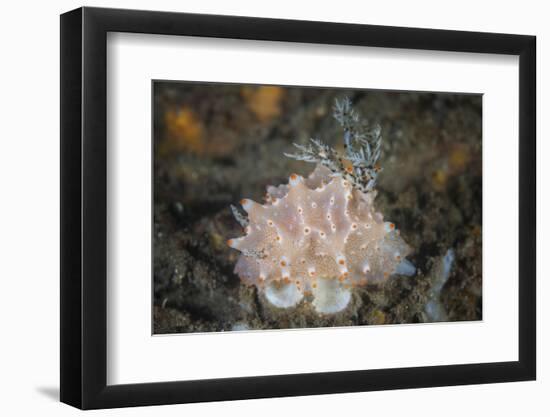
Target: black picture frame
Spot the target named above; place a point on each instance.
(84, 207)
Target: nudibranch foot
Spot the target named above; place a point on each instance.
(330, 296)
(406, 268)
(283, 295)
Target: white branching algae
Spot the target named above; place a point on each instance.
(319, 237)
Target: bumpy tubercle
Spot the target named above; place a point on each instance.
(317, 237)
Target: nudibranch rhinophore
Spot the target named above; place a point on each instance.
(320, 236)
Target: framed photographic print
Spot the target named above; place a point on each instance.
(257, 208)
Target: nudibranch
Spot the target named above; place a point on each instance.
(319, 237)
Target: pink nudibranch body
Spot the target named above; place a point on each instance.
(319, 237)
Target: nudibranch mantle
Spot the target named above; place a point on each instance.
(317, 237)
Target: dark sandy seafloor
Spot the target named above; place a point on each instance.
(215, 144)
